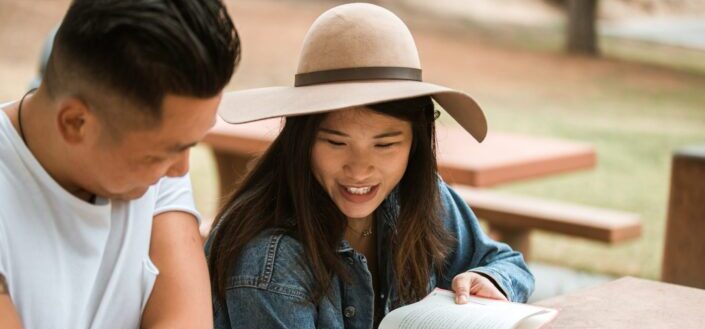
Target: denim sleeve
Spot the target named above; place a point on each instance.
(250, 307)
(475, 251)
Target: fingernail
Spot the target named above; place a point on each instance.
(462, 299)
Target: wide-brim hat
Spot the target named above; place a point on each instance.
(353, 54)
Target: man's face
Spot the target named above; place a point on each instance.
(126, 168)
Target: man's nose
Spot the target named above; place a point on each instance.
(180, 167)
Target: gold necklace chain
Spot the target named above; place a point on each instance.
(365, 233)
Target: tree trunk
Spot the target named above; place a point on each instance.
(581, 34)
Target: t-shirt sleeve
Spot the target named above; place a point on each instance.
(175, 194)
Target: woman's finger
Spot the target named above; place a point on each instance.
(461, 286)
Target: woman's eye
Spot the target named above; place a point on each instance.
(386, 145)
(332, 142)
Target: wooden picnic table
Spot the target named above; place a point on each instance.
(501, 158)
(465, 163)
(629, 303)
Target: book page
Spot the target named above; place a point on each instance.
(439, 311)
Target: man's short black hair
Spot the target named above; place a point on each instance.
(139, 51)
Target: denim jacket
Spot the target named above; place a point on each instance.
(270, 286)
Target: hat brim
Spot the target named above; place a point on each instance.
(264, 103)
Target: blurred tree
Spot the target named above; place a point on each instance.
(581, 36)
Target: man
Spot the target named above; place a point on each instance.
(97, 223)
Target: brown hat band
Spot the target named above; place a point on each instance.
(358, 73)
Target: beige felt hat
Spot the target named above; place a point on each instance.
(353, 54)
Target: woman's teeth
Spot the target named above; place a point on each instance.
(359, 190)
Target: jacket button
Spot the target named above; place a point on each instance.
(349, 312)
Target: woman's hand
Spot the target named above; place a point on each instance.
(470, 283)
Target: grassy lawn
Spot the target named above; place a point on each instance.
(635, 125)
(634, 133)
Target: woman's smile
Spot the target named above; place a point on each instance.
(358, 194)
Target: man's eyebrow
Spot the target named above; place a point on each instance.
(180, 147)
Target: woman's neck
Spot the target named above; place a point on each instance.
(359, 225)
(360, 233)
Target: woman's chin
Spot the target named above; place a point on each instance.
(357, 213)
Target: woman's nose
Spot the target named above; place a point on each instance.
(359, 165)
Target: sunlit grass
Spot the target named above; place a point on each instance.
(634, 133)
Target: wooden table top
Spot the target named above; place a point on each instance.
(501, 158)
(629, 303)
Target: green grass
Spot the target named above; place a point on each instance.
(635, 126)
(634, 131)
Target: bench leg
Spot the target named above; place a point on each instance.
(231, 170)
(685, 226)
(518, 239)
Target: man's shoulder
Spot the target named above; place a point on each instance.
(11, 191)
(12, 169)
(6, 185)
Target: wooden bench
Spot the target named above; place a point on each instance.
(511, 218)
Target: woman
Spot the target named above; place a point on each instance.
(345, 218)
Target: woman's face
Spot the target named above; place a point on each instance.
(359, 156)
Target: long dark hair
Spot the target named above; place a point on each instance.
(281, 193)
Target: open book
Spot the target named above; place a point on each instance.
(439, 311)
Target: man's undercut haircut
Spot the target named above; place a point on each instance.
(138, 51)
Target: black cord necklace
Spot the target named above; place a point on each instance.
(21, 131)
(19, 114)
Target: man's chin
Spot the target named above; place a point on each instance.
(131, 195)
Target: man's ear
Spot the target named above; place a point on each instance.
(75, 120)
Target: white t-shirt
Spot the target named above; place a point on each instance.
(68, 263)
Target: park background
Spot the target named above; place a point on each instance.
(639, 98)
